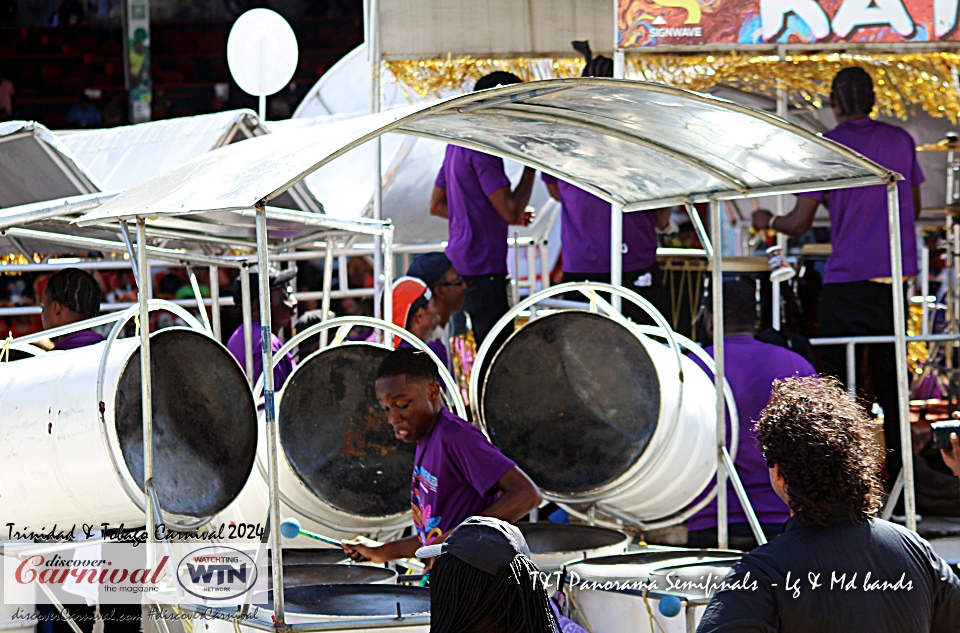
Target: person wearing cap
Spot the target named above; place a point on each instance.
(457, 472)
(283, 306)
(484, 580)
(473, 192)
(441, 276)
(413, 310)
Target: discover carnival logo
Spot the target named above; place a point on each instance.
(217, 573)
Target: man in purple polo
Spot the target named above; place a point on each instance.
(283, 306)
(750, 368)
(474, 193)
(585, 232)
(71, 295)
(457, 472)
(857, 296)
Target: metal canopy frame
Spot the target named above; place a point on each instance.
(477, 121)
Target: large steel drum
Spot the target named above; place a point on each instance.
(594, 411)
(341, 470)
(612, 594)
(334, 574)
(68, 458)
(343, 604)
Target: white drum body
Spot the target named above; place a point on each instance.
(594, 411)
(68, 459)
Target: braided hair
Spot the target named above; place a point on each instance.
(76, 290)
(852, 91)
(465, 599)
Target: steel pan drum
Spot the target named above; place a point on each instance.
(343, 604)
(553, 544)
(334, 574)
(589, 409)
(609, 590)
(348, 467)
(204, 421)
(204, 429)
(311, 556)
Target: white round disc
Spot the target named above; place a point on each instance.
(262, 52)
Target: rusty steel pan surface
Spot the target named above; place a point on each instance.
(573, 398)
(204, 422)
(543, 538)
(310, 556)
(333, 574)
(354, 600)
(336, 436)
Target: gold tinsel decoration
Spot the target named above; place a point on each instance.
(905, 83)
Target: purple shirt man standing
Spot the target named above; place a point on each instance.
(857, 295)
(474, 193)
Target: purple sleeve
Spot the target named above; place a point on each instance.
(440, 350)
(284, 368)
(490, 172)
(819, 196)
(548, 179)
(441, 181)
(481, 464)
(916, 174)
(565, 624)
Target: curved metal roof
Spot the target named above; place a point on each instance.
(636, 144)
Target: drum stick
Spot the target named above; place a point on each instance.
(290, 528)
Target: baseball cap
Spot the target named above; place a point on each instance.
(278, 279)
(409, 295)
(484, 542)
(430, 267)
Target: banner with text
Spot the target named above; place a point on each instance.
(642, 23)
(212, 574)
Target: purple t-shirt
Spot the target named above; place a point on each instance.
(859, 229)
(454, 472)
(751, 367)
(478, 235)
(82, 338)
(585, 233)
(283, 369)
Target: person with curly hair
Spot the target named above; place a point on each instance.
(837, 567)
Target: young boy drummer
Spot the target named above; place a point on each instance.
(457, 472)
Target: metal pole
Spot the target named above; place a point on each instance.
(125, 233)
(619, 57)
(776, 317)
(515, 287)
(616, 251)
(195, 286)
(266, 350)
(388, 274)
(717, 283)
(924, 290)
(247, 325)
(851, 356)
(215, 301)
(373, 46)
(327, 288)
(899, 331)
(145, 389)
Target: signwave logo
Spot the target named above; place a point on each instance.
(217, 573)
